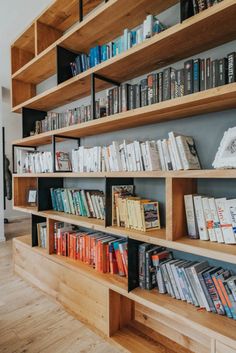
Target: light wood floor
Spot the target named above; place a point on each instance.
(31, 322)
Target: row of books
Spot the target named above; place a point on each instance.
(86, 203)
(133, 212)
(29, 161)
(176, 153)
(197, 75)
(129, 39)
(211, 219)
(197, 283)
(105, 253)
(101, 53)
(81, 114)
(42, 234)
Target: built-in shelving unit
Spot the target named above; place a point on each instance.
(128, 318)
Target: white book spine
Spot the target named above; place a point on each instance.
(200, 218)
(226, 225)
(209, 219)
(190, 217)
(160, 150)
(231, 204)
(173, 143)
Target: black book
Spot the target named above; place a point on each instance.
(195, 7)
(124, 97)
(110, 102)
(208, 73)
(223, 72)
(188, 77)
(137, 93)
(150, 279)
(231, 67)
(142, 262)
(167, 84)
(203, 75)
(116, 100)
(131, 97)
(186, 9)
(156, 88)
(214, 73)
(173, 83)
(180, 82)
(196, 75)
(160, 84)
(144, 92)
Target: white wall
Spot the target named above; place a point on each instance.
(15, 16)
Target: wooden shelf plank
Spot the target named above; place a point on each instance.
(221, 252)
(215, 99)
(109, 19)
(216, 326)
(134, 62)
(198, 174)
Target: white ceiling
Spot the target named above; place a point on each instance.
(15, 15)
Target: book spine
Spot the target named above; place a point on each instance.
(188, 77)
(196, 75)
(167, 84)
(208, 73)
(232, 67)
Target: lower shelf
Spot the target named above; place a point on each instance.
(68, 281)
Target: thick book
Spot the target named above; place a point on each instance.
(232, 67)
(191, 217)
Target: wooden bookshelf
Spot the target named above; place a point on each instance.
(215, 99)
(192, 174)
(132, 63)
(137, 320)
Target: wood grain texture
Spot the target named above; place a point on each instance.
(21, 188)
(217, 327)
(222, 252)
(22, 91)
(45, 36)
(33, 322)
(222, 348)
(178, 332)
(176, 224)
(109, 19)
(134, 62)
(195, 174)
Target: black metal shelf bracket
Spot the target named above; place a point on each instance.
(95, 77)
(54, 138)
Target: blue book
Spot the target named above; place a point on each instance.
(97, 55)
(91, 57)
(104, 53)
(196, 75)
(133, 39)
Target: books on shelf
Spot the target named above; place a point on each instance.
(196, 75)
(105, 253)
(177, 153)
(197, 283)
(86, 203)
(29, 161)
(42, 234)
(193, 7)
(132, 212)
(211, 219)
(127, 40)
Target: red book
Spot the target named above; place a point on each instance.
(112, 259)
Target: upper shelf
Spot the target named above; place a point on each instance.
(194, 35)
(109, 19)
(215, 99)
